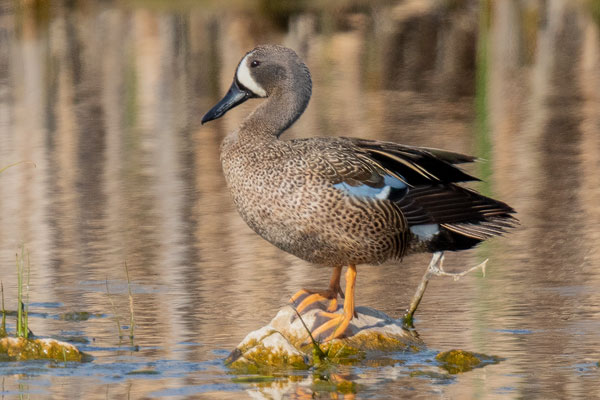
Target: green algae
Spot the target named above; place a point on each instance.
(22, 349)
(262, 360)
(356, 348)
(286, 345)
(376, 341)
(270, 357)
(255, 358)
(458, 361)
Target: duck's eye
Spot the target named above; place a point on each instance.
(255, 63)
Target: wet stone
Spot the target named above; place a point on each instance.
(457, 361)
(21, 349)
(285, 344)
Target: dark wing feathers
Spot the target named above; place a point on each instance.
(417, 165)
(449, 156)
(458, 209)
(434, 196)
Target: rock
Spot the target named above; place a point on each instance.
(281, 344)
(21, 349)
(457, 361)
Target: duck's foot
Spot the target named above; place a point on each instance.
(313, 296)
(439, 270)
(336, 320)
(436, 267)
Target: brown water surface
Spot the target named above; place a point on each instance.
(106, 99)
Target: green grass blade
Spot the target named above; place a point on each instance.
(19, 297)
(3, 332)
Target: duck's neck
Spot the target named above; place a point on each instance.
(274, 115)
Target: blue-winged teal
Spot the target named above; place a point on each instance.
(339, 201)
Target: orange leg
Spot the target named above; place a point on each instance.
(318, 295)
(340, 321)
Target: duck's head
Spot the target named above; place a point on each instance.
(265, 71)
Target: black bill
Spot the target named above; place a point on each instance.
(235, 96)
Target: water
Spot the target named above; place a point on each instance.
(106, 100)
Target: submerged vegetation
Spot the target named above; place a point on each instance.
(131, 314)
(131, 311)
(23, 267)
(3, 324)
(24, 346)
(23, 273)
(22, 313)
(458, 361)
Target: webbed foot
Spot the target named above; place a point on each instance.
(309, 296)
(340, 321)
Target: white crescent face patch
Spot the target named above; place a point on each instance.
(243, 75)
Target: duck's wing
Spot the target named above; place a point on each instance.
(417, 165)
(422, 183)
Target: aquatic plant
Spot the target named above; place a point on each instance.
(131, 309)
(3, 325)
(131, 314)
(22, 262)
(457, 361)
(23, 347)
(318, 355)
(23, 272)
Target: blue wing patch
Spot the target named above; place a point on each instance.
(425, 231)
(393, 189)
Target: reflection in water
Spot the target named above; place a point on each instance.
(106, 100)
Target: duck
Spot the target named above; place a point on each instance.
(341, 201)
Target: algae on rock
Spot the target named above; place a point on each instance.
(285, 344)
(21, 349)
(457, 361)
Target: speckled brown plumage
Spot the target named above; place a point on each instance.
(341, 201)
